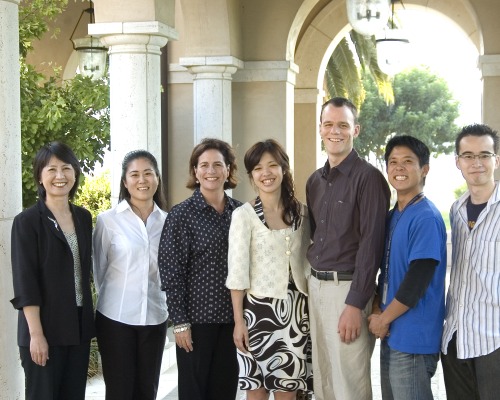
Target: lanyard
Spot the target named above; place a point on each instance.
(418, 197)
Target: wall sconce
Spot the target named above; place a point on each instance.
(92, 54)
(368, 17)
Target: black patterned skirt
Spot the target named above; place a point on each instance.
(280, 343)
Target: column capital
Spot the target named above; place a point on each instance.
(212, 61)
(134, 44)
(489, 64)
(268, 71)
(137, 36)
(211, 67)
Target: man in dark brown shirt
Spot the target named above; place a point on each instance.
(348, 200)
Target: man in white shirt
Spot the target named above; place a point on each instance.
(471, 337)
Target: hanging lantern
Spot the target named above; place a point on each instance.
(92, 54)
(393, 54)
(393, 51)
(368, 17)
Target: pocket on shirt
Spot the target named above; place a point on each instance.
(491, 255)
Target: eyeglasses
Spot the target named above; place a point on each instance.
(469, 157)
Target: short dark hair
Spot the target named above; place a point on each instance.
(340, 102)
(418, 147)
(229, 159)
(291, 206)
(477, 130)
(62, 152)
(159, 196)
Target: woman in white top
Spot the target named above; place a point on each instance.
(268, 240)
(131, 317)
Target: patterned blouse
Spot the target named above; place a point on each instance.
(73, 245)
(192, 259)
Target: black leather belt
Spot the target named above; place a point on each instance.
(330, 275)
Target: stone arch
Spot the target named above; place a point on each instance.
(317, 29)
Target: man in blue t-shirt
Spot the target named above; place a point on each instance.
(409, 308)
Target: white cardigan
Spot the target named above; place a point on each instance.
(259, 258)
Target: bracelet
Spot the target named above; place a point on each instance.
(182, 327)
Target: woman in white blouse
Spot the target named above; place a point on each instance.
(131, 317)
(268, 240)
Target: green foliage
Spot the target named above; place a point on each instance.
(459, 191)
(423, 107)
(75, 112)
(95, 194)
(446, 219)
(34, 17)
(342, 75)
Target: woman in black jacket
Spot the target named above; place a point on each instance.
(51, 264)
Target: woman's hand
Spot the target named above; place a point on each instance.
(240, 336)
(39, 349)
(184, 341)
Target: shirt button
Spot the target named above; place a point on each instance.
(287, 238)
(322, 221)
(330, 184)
(321, 239)
(288, 252)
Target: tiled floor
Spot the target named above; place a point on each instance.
(168, 381)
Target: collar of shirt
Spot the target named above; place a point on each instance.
(344, 167)
(125, 205)
(200, 202)
(494, 198)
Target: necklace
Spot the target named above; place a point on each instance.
(392, 227)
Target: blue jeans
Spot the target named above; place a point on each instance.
(406, 376)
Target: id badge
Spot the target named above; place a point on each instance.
(384, 294)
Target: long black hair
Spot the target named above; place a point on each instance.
(291, 206)
(159, 196)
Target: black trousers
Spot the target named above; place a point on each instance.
(473, 378)
(210, 371)
(63, 377)
(131, 358)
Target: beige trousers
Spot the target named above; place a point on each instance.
(341, 371)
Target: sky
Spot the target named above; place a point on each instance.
(440, 44)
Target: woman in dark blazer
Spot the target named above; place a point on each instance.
(51, 264)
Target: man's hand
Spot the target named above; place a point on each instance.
(377, 326)
(350, 321)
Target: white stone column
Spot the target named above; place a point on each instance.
(11, 374)
(489, 64)
(134, 73)
(212, 106)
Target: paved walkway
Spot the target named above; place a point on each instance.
(168, 380)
